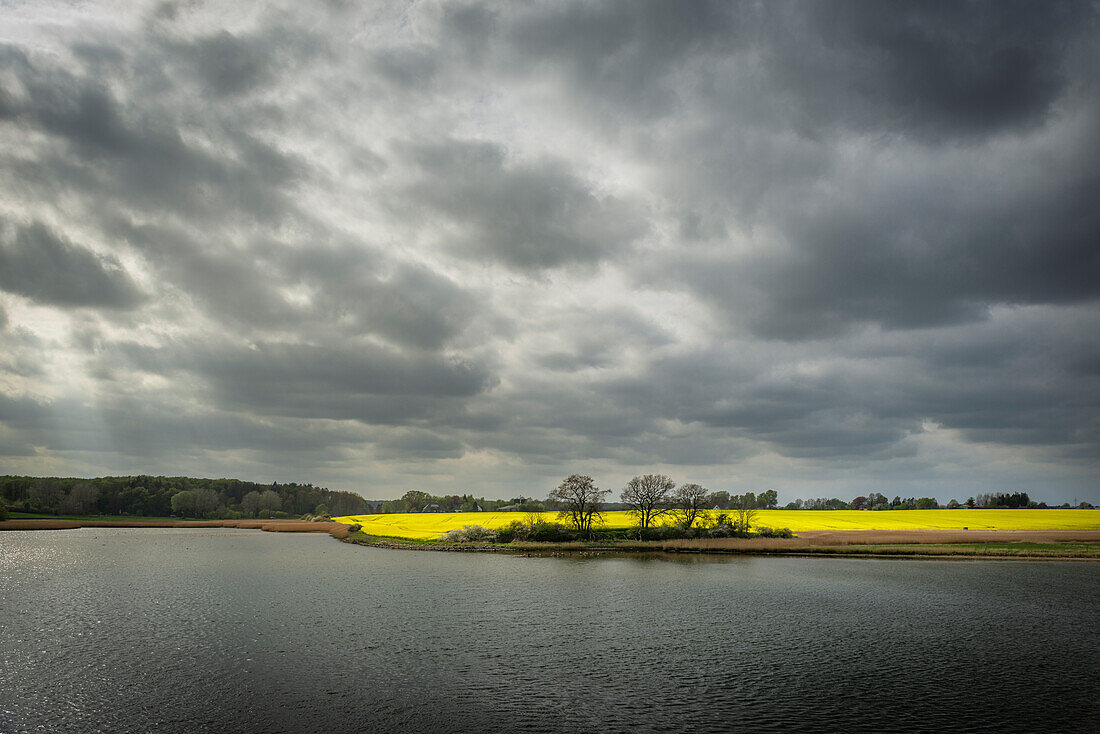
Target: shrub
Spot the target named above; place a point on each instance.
(724, 526)
(766, 532)
(3, 512)
(742, 521)
(469, 534)
(737, 525)
(660, 532)
(511, 531)
(692, 531)
(551, 532)
(522, 530)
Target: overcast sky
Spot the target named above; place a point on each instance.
(823, 247)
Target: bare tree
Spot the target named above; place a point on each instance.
(689, 502)
(648, 497)
(745, 513)
(580, 500)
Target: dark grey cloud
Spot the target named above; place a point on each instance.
(833, 414)
(345, 381)
(136, 151)
(943, 256)
(229, 65)
(419, 444)
(409, 68)
(230, 283)
(527, 215)
(406, 304)
(149, 429)
(624, 53)
(940, 69)
(912, 235)
(20, 350)
(351, 286)
(37, 263)
(226, 63)
(615, 335)
(925, 69)
(991, 384)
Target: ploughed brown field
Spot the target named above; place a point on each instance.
(337, 530)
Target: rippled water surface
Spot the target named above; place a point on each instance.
(131, 630)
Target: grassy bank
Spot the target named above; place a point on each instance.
(1082, 544)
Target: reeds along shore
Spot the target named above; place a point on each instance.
(335, 529)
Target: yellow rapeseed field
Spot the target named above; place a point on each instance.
(430, 525)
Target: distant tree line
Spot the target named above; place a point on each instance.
(148, 496)
(419, 501)
(877, 501)
(416, 500)
(654, 495)
(649, 496)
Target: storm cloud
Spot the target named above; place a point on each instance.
(36, 263)
(829, 248)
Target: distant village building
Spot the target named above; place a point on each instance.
(433, 507)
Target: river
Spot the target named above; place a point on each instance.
(193, 630)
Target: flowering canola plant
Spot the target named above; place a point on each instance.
(430, 525)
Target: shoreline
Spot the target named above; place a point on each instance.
(335, 529)
(990, 544)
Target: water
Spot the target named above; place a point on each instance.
(131, 630)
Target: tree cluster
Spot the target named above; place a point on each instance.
(148, 496)
(1001, 500)
(873, 501)
(877, 501)
(649, 497)
(767, 500)
(416, 500)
